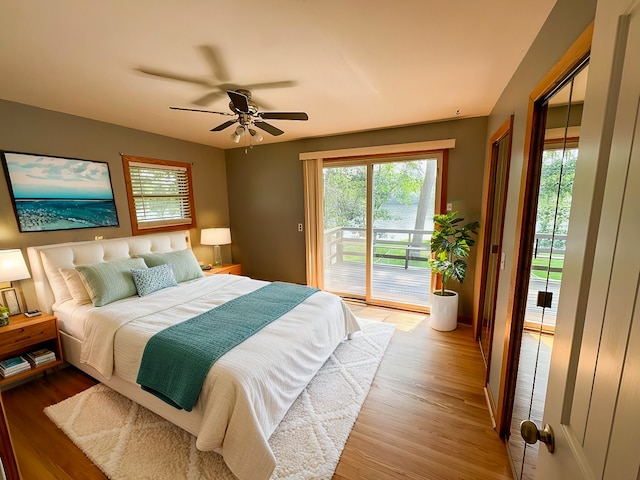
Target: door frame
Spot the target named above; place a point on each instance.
(575, 57)
(484, 240)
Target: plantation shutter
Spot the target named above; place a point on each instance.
(160, 195)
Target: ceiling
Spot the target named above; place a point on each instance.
(351, 65)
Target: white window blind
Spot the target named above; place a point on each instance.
(160, 195)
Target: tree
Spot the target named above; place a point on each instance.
(426, 192)
(345, 191)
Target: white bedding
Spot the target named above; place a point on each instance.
(249, 390)
(71, 318)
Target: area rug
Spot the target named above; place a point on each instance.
(127, 441)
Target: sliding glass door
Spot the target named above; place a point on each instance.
(378, 220)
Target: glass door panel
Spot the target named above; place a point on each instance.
(558, 163)
(345, 233)
(403, 204)
(500, 152)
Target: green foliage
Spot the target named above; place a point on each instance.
(344, 197)
(3, 310)
(451, 243)
(556, 186)
(345, 191)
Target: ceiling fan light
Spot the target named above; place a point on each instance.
(256, 135)
(239, 130)
(235, 137)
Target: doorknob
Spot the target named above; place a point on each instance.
(531, 434)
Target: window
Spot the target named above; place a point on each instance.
(159, 193)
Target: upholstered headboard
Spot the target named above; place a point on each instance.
(46, 260)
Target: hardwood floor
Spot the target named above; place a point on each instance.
(425, 416)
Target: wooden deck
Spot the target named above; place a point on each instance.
(390, 282)
(537, 315)
(413, 285)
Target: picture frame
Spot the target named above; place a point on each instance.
(59, 193)
(10, 300)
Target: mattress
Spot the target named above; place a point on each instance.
(71, 318)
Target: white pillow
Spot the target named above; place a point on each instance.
(76, 287)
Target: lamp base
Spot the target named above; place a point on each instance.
(217, 256)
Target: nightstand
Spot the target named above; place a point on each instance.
(24, 335)
(229, 268)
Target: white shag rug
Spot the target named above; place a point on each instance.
(128, 442)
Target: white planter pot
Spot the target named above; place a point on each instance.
(444, 311)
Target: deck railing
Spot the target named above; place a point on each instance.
(390, 245)
(411, 247)
(542, 249)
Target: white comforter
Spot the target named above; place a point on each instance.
(249, 390)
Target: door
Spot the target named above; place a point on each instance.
(592, 399)
(491, 243)
(563, 112)
(403, 204)
(345, 229)
(378, 220)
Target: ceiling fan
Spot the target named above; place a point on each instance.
(247, 116)
(218, 84)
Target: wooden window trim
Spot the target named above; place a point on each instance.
(126, 161)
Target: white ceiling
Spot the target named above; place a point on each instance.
(354, 64)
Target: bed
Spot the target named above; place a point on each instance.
(247, 391)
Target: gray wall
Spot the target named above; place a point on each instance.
(33, 130)
(266, 195)
(565, 23)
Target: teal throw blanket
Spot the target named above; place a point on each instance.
(177, 359)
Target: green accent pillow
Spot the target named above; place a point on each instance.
(184, 263)
(110, 281)
(149, 280)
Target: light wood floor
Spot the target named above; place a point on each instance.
(425, 416)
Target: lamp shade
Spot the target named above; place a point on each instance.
(215, 236)
(12, 266)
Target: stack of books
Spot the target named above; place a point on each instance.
(39, 357)
(12, 366)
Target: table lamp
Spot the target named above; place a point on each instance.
(215, 237)
(12, 267)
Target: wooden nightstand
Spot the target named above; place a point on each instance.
(24, 335)
(229, 268)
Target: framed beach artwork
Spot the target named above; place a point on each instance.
(57, 193)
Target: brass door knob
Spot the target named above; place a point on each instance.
(531, 434)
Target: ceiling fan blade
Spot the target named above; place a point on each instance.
(268, 128)
(174, 76)
(202, 111)
(208, 98)
(259, 86)
(284, 115)
(240, 101)
(212, 56)
(224, 125)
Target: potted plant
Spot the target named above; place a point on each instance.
(451, 243)
(4, 316)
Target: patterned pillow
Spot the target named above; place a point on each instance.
(184, 263)
(149, 280)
